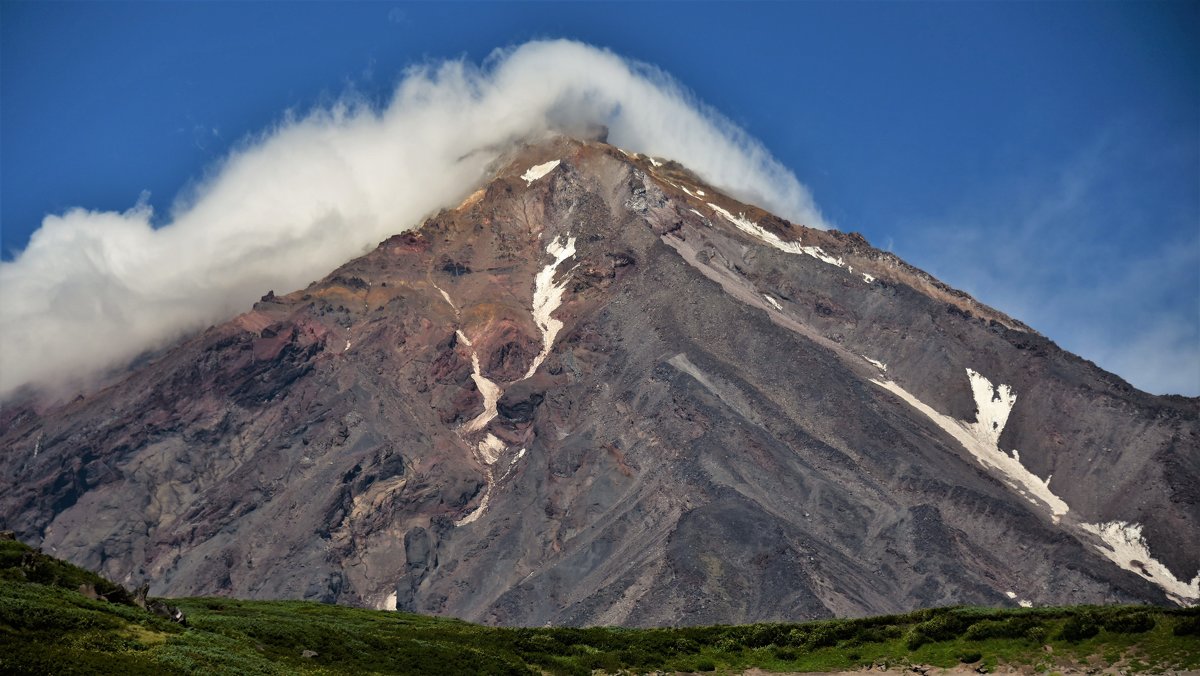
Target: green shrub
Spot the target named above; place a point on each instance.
(785, 654)
(970, 657)
(1129, 623)
(1078, 628)
(706, 665)
(1187, 626)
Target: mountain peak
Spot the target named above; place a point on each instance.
(601, 391)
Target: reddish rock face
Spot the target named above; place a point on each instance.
(612, 395)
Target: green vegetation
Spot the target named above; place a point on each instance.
(48, 626)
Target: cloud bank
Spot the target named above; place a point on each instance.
(95, 289)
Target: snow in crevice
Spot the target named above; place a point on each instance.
(868, 278)
(1011, 595)
(1024, 603)
(1125, 546)
(539, 170)
(774, 303)
(490, 392)
(462, 337)
(981, 438)
(490, 449)
(547, 296)
(447, 297)
(654, 162)
(876, 363)
(483, 503)
(512, 464)
(1119, 541)
(751, 228)
(347, 346)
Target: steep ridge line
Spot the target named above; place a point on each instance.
(1120, 542)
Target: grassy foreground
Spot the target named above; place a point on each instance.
(47, 626)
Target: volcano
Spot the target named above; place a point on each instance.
(600, 391)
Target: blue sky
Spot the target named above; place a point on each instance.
(1043, 156)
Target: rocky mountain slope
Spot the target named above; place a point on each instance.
(600, 392)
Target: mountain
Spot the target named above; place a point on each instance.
(598, 391)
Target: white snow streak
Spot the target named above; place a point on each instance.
(1010, 595)
(1126, 547)
(446, 296)
(539, 170)
(490, 449)
(389, 602)
(490, 392)
(1025, 604)
(754, 229)
(547, 296)
(512, 464)
(981, 437)
(868, 278)
(774, 303)
(876, 363)
(463, 337)
(483, 503)
(1121, 542)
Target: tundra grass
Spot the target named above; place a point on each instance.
(49, 627)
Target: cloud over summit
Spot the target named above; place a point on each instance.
(94, 289)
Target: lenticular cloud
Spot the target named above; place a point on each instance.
(94, 289)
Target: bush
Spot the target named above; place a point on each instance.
(706, 665)
(1078, 628)
(1014, 627)
(970, 657)
(1129, 623)
(1188, 626)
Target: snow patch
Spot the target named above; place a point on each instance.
(981, 438)
(1125, 546)
(1121, 542)
(774, 303)
(483, 503)
(347, 346)
(1010, 595)
(868, 278)
(700, 193)
(490, 449)
(446, 296)
(512, 464)
(389, 603)
(463, 337)
(491, 395)
(547, 296)
(654, 162)
(876, 363)
(755, 230)
(539, 170)
(1025, 603)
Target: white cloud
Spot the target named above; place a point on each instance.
(94, 289)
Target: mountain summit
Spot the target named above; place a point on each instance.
(599, 391)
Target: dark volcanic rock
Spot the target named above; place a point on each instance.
(708, 435)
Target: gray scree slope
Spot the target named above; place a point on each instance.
(600, 392)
